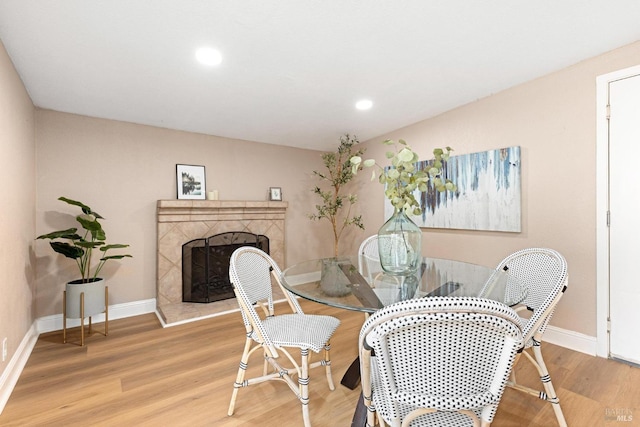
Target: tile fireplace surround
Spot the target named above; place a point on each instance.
(180, 221)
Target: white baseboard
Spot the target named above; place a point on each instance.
(572, 340)
(14, 368)
(116, 311)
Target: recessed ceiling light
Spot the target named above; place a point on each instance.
(209, 56)
(364, 104)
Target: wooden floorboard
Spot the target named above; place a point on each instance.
(144, 375)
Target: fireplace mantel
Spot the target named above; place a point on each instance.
(218, 210)
(180, 221)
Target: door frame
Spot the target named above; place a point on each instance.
(602, 204)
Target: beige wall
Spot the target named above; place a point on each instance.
(553, 119)
(17, 223)
(122, 169)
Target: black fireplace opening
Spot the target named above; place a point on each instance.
(205, 265)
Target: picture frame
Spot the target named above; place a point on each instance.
(190, 182)
(275, 194)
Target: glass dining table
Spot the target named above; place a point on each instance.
(337, 282)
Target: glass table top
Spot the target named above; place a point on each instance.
(336, 282)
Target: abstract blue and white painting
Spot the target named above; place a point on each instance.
(488, 195)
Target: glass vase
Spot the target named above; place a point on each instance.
(400, 245)
(333, 282)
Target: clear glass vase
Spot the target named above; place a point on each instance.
(333, 282)
(400, 245)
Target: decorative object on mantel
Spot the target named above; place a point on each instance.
(400, 239)
(338, 174)
(88, 295)
(212, 195)
(190, 182)
(275, 194)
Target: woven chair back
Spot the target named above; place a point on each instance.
(544, 273)
(445, 353)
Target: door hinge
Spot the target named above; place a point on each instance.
(608, 218)
(608, 324)
(608, 111)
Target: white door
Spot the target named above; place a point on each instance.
(624, 207)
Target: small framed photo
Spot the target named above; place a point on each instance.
(275, 193)
(190, 182)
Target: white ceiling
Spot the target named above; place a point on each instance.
(293, 69)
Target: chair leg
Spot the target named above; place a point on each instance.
(549, 393)
(265, 364)
(327, 365)
(240, 377)
(303, 382)
(552, 397)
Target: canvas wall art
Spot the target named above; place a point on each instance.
(488, 195)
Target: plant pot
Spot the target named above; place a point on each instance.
(400, 245)
(94, 298)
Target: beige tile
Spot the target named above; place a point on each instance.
(164, 265)
(194, 230)
(184, 220)
(170, 286)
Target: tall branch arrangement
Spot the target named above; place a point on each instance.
(337, 174)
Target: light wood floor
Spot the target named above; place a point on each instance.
(143, 375)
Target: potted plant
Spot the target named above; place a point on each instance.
(400, 239)
(338, 173)
(336, 208)
(87, 295)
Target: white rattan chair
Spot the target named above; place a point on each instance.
(544, 273)
(438, 361)
(369, 258)
(370, 268)
(250, 271)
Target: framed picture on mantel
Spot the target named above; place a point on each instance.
(190, 182)
(275, 193)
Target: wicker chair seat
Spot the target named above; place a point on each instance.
(299, 330)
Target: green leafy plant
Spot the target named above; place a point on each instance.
(338, 173)
(403, 177)
(80, 247)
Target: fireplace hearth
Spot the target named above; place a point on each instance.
(205, 265)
